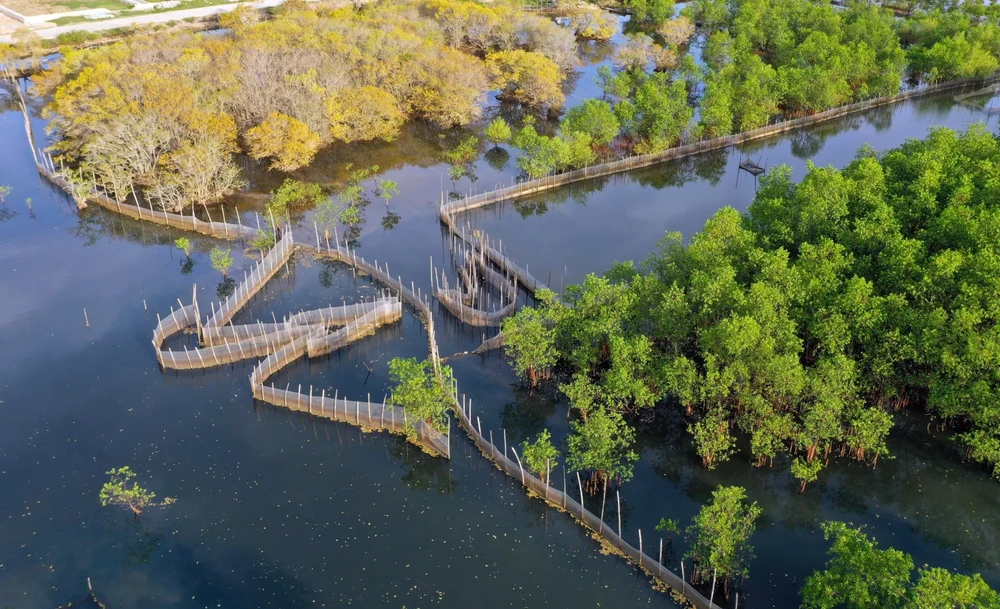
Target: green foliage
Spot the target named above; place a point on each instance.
(350, 215)
(498, 131)
(293, 193)
(530, 342)
(718, 50)
(803, 323)
(122, 491)
(859, 575)
(602, 445)
(465, 152)
(425, 396)
(328, 214)
(183, 244)
(720, 535)
(4, 192)
(709, 14)
(221, 259)
(668, 525)
(594, 118)
(939, 588)
(717, 107)
(387, 189)
(806, 471)
(264, 240)
(661, 113)
(543, 155)
(653, 12)
(540, 456)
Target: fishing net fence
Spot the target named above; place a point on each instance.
(564, 500)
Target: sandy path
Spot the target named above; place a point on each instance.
(110, 24)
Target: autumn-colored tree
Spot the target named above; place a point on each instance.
(362, 114)
(676, 32)
(287, 140)
(526, 77)
(593, 24)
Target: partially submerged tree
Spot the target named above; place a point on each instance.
(498, 131)
(593, 24)
(122, 491)
(528, 78)
(530, 341)
(387, 189)
(4, 191)
(221, 259)
(602, 446)
(424, 395)
(286, 140)
(540, 456)
(184, 244)
(720, 536)
(594, 118)
(293, 193)
(668, 526)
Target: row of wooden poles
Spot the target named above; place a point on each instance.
(562, 500)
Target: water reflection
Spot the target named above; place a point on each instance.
(136, 538)
(498, 158)
(525, 416)
(422, 472)
(390, 220)
(709, 167)
(226, 288)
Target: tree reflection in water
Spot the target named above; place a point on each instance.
(423, 472)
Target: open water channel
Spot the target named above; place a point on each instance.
(280, 510)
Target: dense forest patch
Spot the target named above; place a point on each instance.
(803, 324)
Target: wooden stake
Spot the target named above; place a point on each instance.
(618, 493)
(604, 499)
(521, 467)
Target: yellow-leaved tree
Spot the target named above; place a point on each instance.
(526, 77)
(287, 140)
(364, 114)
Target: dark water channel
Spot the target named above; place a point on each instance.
(273, 509)
(279, 510)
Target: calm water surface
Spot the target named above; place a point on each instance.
(279, 510)
(274, 509)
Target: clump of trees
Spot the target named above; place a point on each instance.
(720, 536)
(121, 490)
(859, 575)
(804, 323)
(593, 24)
(545, 154)
(767, 60)
(164, 114)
